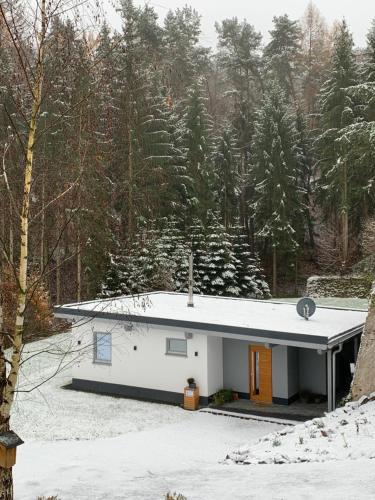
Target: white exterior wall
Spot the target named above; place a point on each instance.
(149, 366)
(214, 364)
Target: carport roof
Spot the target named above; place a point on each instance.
(265, 320)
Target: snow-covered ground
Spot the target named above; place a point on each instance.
(345, 434)
(82, 446)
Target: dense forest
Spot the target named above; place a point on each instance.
(257, 156)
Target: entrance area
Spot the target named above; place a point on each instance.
(260, 374)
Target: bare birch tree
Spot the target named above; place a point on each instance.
(27, 36)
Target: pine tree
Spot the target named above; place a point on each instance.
(278, 209)
(283, 53)
(183, 55)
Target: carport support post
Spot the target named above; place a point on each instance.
(329, 380)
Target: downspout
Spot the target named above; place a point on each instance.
(334, 376)
(329, 380)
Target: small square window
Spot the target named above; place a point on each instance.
(177, 347)
(102, 348)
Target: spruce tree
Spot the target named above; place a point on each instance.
(198, 147)
(197, 240)
(226, 164)
(337, 113)
(239, 58)
(220, 277)
(278, 208)
(250, 277)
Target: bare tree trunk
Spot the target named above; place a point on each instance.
(345, 219)
(11, 242)
(58, 274)
(296, 277)
(131, 202)
(8, 384)
(79, 268)
(42, 229)
(274, 271)
(364, 376)
(6, 485)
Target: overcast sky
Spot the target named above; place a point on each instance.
(358, 13)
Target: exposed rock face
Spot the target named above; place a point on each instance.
(364, 376)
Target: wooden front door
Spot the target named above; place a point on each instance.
(260, 367)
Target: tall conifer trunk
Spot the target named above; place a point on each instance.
(274, 271)
(345, 218)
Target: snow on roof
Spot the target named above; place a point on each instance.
(221, 314)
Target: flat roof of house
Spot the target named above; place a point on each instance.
(261, 319)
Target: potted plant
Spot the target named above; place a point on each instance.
(192, 384)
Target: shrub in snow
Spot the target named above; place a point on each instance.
(174, 496)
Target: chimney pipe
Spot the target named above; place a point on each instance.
(190, 300)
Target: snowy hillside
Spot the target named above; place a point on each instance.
(345, 434)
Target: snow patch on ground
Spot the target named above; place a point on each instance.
(345, 434)
(51, 413)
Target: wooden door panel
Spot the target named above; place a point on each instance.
(260, 390)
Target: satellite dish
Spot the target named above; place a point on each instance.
(306, 308)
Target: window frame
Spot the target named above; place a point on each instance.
(95, 350)
(168, 350)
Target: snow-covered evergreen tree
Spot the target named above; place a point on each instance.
(283, 53)
(250, 277)
(173, 248)
(337, 112)
(220, 277)
(162, 153)
(197, 239)
(278, 207)
(198, 147)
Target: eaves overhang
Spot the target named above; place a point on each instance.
(287, 338)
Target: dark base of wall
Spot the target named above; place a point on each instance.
(243, 395)
(127, 391)
(276, 401)
(285, 401)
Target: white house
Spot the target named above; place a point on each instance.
(147, 346)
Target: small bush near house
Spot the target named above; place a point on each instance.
(223, 396)
(174, 496)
